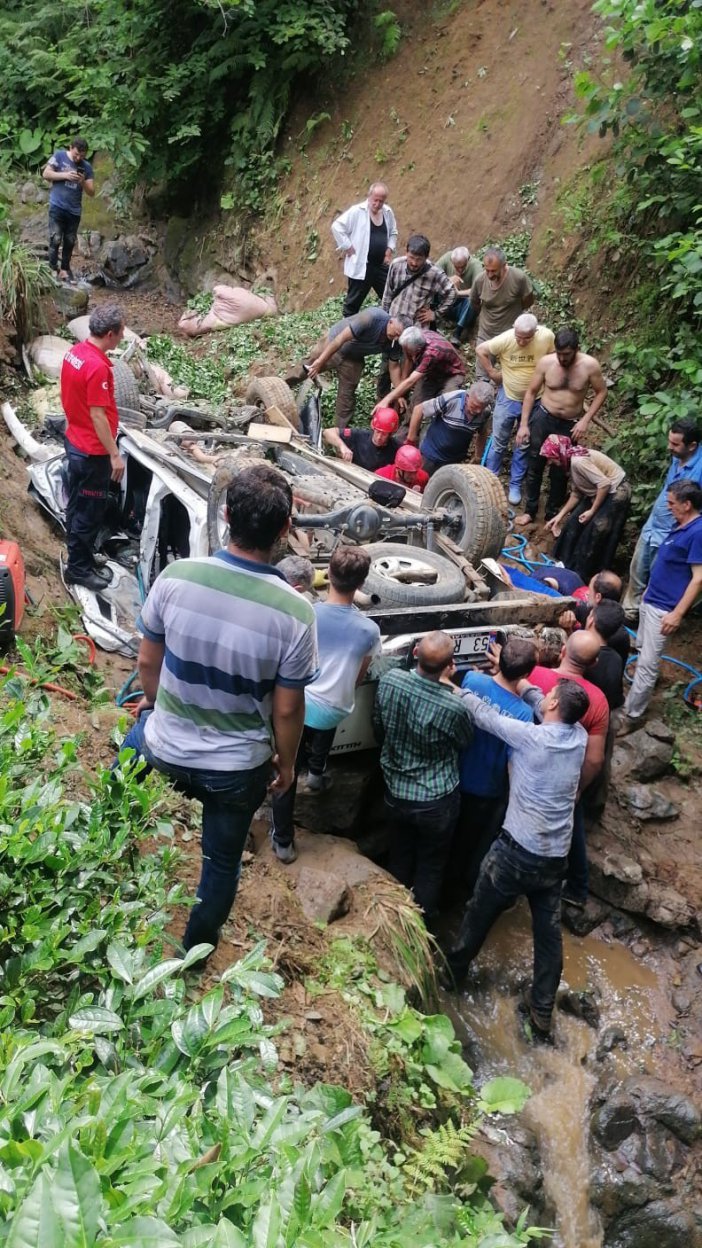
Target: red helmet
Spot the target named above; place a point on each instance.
(408, 459)
(386, 420)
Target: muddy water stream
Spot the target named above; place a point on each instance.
(630, 996)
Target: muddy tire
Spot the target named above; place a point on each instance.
(387, 557)
(126, 388)
(267, 392)
(217, 528)
(477, 503)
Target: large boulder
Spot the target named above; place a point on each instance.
(644, 755)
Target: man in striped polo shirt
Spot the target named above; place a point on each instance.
(228, 647)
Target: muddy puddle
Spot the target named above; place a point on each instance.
(631, 996)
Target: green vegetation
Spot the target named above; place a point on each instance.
(136, 1109)
(644, 216)
(23, 281)
(183, 95)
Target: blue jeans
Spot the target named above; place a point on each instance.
(506, 414)
(229, 799)
(509, 872)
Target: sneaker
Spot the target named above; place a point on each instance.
(628, 725)
(533, 1034)
(514, 497)
(318, 784)
(284, 853)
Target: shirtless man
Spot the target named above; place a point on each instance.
(565, 377)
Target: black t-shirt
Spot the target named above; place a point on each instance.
(377, 245)
(620, 641)
(607, 674)
(365, 453)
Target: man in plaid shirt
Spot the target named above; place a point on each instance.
(415, 287)
(435, 367)
(422, 725)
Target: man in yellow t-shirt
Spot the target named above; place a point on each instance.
(515, 354)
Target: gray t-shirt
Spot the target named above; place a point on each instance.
(499, 307)
(369, 329)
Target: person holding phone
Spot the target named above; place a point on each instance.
(70, 174)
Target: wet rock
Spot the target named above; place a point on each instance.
(612, 1038)
(645, 803)
(682, 1003)
(628, 1190)
(656, 728)
(123, 261)
(627, 870)
(614, 1121)
(512, 1159)
(644, 755)
(323, 896)
(580, 1005)
(582, 922)
(656, 1100)
(658, 1224)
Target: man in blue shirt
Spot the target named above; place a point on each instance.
(684, 440)
(69, 174)
(455, 417)
(484, 783)
(675, 585)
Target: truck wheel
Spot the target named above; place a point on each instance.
(217, 527)
(267, 392)
(477, 507)
(126, 388)
(388, 558)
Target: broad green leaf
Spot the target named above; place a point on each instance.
(156, 976)
(327, 1204)
(95, 1018)
(195, 955)
(340, 1120)
(121, 961)
(504, 1095)
(266, 1227)
(35, 1224)
(77, 1197)
(88, 944)
(144, 1233)
(228, 1236)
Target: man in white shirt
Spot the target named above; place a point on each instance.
(366, 235)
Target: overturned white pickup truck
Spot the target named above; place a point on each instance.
(426, 551)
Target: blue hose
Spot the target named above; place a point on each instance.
(668, 658)
(127, 693)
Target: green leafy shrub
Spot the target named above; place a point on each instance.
(136, 1111)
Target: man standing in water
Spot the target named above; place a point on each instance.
(530, 856)
(565, 378)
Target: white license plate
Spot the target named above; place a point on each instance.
(470, 644)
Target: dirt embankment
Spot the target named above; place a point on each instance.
(464, 123)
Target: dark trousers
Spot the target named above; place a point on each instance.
(509, 872)
(312, 754)
(479, 824)
(88, 488)
(63, 229)
(578, 877)
(230, 800)
(421, 837)
(587, 548)
(358, 288)
(541, 424)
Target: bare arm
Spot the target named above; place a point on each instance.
(599, 387)
(672, 620)
(288, 721)
(101, 426)
(49, 174)
(331, 348)
(532, 394)
(598, 500)
(415, 423)
(333, 438)
(401, 388)
(485, 359)
(593, 761)
(89, 187)
(556, 524)
(149, 664)
(527, 300)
